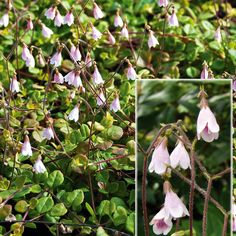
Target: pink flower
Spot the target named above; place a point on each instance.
(97, 12)
(97, 78)
(204, 73)
(163, 3)
(39, 166)
(207, 127)
(124, 32)
(131, 73)
(234, 223)
(173, 20)
(96, 34)
(4, 21)
(75, 52)
(58, 77)
(26, 147)
(161, 224)
(46, 31)
(234, 86)
(48, 133)
(56, 59)
(111, 38)
(30, 62)
(180, 157)
(77, 80)
(101, 99)
(14, 86)
(30, 25)
(74, 114)
(174, 207)
(88, 60)
(218, 37)
(70, 77)
(59, 20)
(115, 105)
(160, 158)
(118, 22)
(25, 52)
(152, 40)
(50, 13)
(69, 18)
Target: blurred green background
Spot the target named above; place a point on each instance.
(166, 102)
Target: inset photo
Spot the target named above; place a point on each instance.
(184, 157)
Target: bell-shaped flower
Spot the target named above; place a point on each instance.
(56, 59)
(111, 38)
(59, 20)
(173, 20)
(97, 12)
(100, 98)
(39, 167)
(58, 77)
(118, 22)
(69, 18)
(131, 73)
(48, 133)
(97, 78)
(25, 52)
(115, 105)
(26, 149)
(70, 77)
(180, 156)
(124, 32)
(46, 31)
(41, 60)
(218, 37)
(160, 158)
(50, 13)
(207, 126)
(96, 34)
(173, 205)
(77, 80)
(14, 85)
(75, 52)
(74, 114)
(163, 3)
(30, 24)
(234, 223)
(4, 21)
(161, 223)
(152, 40)
(88, 60)
(204, 73)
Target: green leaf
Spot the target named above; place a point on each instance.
(55, 179)
(130, 223)
(120, 216)
(58, 210)
(104, 208)
(115, 132)
(192, 72)
(101, 232)
(21, 206)
(44, 204)
(5, 211)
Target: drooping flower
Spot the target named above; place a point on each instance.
(173, 20)
(30, 62)
(163, 3)
(204, 73)
(234, 86)
(100, 98)
(14, 85)
(207, 126)
(77, 80)
(152, 40)
(58, 77)
(111, 38)
(70, 77)
(218, 37)
(39, 166)
(118, 22)
(48, 133)
(115, 105)
(74, 114)
(26, 149)
(174, 207)
(88, 60)
(131, 73)
(50, 13)
(46, 31)
(25, 52)
(180, 157)
(69, 18)
(161, 224)
(59, 20)
(96, 34)
(97, 12)
(124, 32)
(160, 158)
(30, 24)
(40, 59)
(97, 78)
(56, 59)
(75, 52)
(4, 21)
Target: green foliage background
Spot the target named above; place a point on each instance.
(162, 102)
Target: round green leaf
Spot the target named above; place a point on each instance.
(44, 204)
(55, 179)
(21, 206)
(58, 210)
